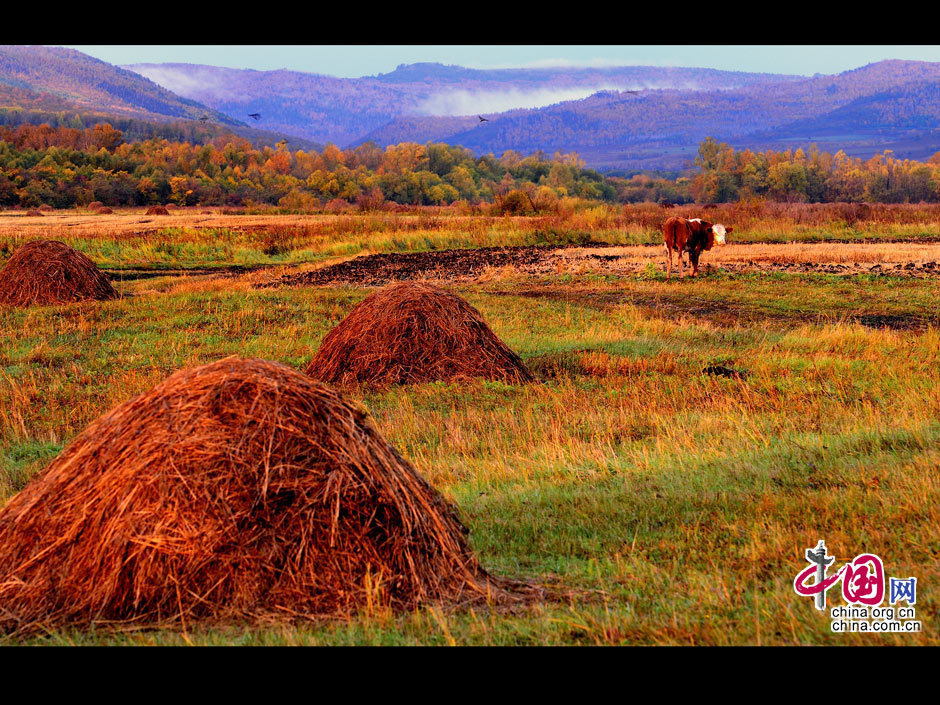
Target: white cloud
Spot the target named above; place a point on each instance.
(191, 81)
(465, 102)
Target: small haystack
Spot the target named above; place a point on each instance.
(414, 332)
(34, 212)
(95, 205)
(239, 488)
(50, 272)
(104, 210)
(45, 208)
(157, 210)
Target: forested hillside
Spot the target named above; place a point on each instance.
(95, 85)
(22, 105)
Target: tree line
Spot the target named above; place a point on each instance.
(66, 166)
(811, 176)
(71, 166)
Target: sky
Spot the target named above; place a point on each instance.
(349, 61)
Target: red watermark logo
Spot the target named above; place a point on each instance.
(863, 589)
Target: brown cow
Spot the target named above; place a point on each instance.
(692, 236)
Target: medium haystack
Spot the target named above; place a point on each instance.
(34, 213)
(239, 488)
(51, 272)
(414, 332)
(157, 210)
(103, 210)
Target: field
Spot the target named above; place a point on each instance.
(662, 504)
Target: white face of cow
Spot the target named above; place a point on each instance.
(720, 233)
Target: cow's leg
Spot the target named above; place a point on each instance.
(693, 258)
(680, 264)
(668, 262)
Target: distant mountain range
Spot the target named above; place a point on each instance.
(631, 117)
(888, 105)
(347, 111)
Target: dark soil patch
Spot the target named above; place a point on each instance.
(375, 270)
(722, 371)
(897, 322)
(922, 270)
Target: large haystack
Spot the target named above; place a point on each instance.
(157, 210)
(414, 332)
(51, 272)
(239, 488)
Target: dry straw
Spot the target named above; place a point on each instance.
(240, 488)
(157, 210)
(51, 272)
(414, 332)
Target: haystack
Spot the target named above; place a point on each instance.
(240, 488)
(103, 210)
(33, 212)
(157, 210)
(94, 205)
(414, 332)
(51, 272)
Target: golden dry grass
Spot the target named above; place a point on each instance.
(680, 503)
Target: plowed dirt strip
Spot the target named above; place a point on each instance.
(893, 259)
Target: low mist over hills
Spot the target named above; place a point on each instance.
(348, 111)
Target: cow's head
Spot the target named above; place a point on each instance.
(720, 232)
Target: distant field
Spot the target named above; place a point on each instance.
(204, 237)
(674, 506)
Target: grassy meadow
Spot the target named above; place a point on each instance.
(667, 506)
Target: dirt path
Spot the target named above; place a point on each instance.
(920, 259)
(880, 259)
(226, 271)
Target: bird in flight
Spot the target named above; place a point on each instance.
(203, 118)
(483, 119)
(255, 116)
(631, 91)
